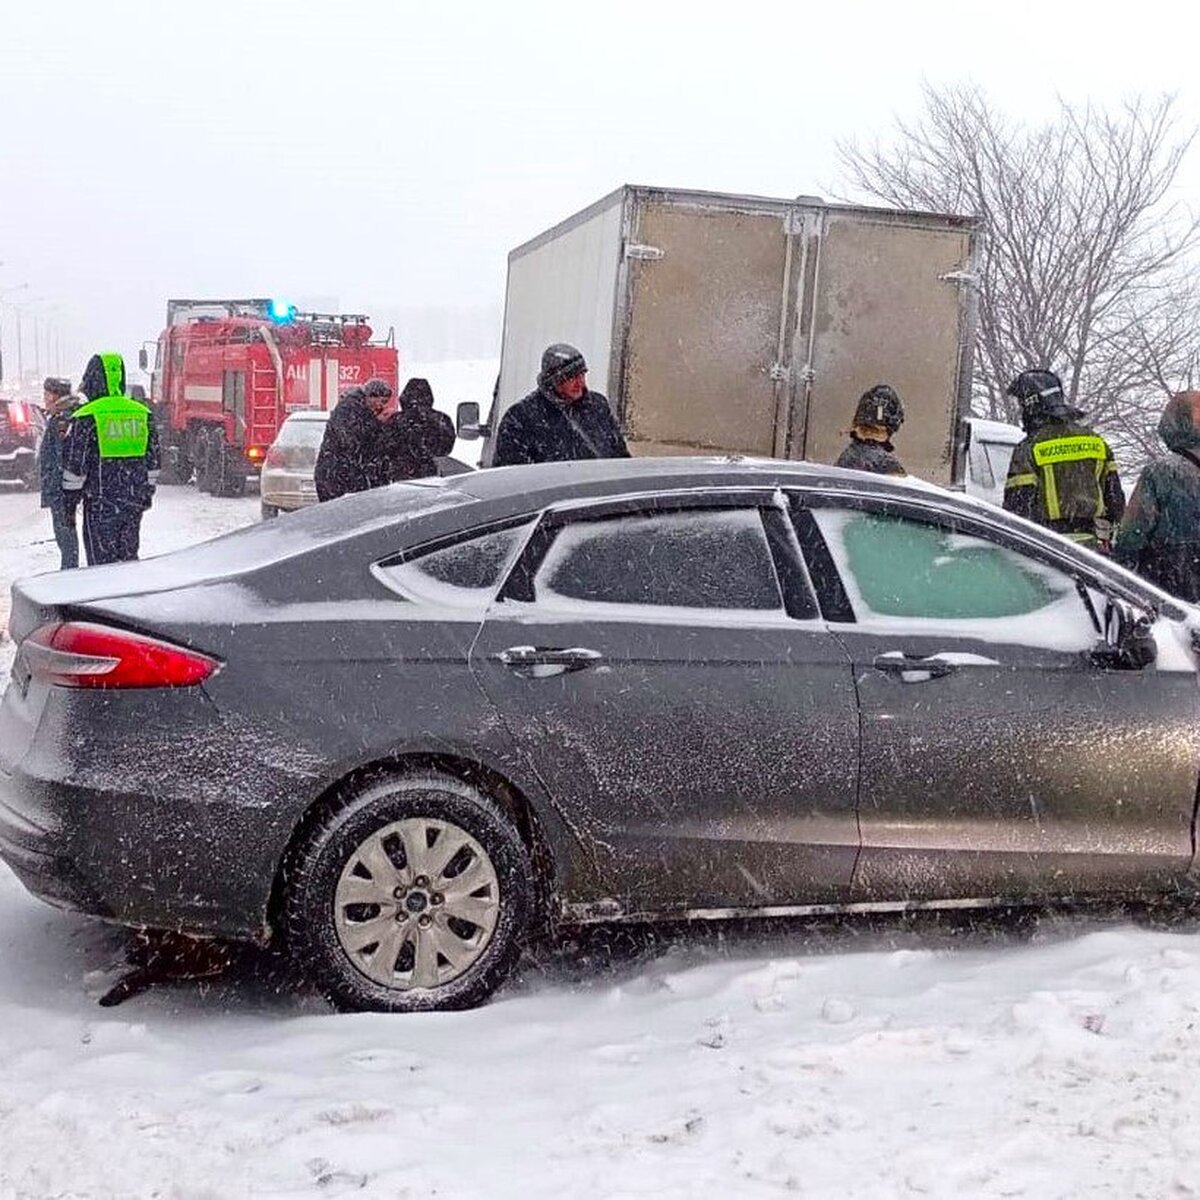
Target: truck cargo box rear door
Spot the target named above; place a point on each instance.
(706, 287)
(883, 311)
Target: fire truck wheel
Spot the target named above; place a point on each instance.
(204, 457)
(229, 473)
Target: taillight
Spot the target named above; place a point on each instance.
(81, 655)
(255, 454)
(17, 415)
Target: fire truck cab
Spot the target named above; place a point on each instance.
(228, 372)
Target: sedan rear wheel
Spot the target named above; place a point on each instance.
(411, 894)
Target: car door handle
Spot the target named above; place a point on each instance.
(542, 661)
(911, 668)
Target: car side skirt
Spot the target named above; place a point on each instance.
(611, 911)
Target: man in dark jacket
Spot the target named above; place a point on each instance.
(350, 458)
(110, 459)
(1159, 535)
(879, 414)
(1062, 475)
(560, 421)
(417, 435)
(58, 402)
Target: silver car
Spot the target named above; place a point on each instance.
(287, 474)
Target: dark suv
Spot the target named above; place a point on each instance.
(21, 426)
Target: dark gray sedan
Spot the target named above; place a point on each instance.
(401, 730)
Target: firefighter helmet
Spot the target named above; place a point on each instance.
(880, 406)
(1041, 397)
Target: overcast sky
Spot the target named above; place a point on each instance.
(393, 152)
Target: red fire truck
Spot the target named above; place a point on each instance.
(228, 372)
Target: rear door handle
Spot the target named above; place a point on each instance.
(542, 661)
(912, 669)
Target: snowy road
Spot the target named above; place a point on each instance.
(1060, 1058)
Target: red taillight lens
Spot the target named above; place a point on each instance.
(82, 655)
(255, 453)
(18, 416)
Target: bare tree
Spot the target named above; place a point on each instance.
(1087, 263)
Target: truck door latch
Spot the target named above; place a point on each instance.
(638, 250)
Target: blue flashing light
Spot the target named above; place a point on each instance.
(281, 312)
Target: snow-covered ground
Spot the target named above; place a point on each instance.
(1054, 1058)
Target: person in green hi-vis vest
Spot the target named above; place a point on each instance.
(110, 461)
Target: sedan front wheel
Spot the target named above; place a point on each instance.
(411, 894)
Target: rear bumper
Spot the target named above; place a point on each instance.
(96, 814)
(34, 857)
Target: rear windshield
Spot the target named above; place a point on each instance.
(301, 433)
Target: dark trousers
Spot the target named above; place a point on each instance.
(110, 532)
(66, 535)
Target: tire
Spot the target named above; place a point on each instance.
(175, 466)
(343, 885)
(229, 468)
(269, 511)
(204, 460)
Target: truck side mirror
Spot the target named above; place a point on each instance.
(467, 421)
(1128, 643)
(143, 359)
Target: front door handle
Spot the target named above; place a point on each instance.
(540, 662)
(912, 668)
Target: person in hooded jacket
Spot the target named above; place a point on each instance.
(351, 454)
(58, 402)
(416, 436)
(562, 420)
(1159, 535)
(1062, 475)
(110, 460)
(879, 414)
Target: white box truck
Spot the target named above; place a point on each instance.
(735, 323)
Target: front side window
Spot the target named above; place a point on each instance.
(902, 571)
(465, 573)
(711, 559)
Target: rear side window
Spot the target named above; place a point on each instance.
(708, 559)
(302, 433)
(467, 572)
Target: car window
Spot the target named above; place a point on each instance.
(899, 570)
(696, 559)
(301, 433)
(466, 572)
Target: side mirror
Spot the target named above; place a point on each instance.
(1128, 643)
(143, 359)
(466, 421)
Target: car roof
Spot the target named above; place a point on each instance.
(309, 414)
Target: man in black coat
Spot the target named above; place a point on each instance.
(560, 421)
(417, 435)
(350, 458)
(58, 402)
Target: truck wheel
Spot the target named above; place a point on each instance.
(408, 894)
(204, 457)
(229, 469)
(269, 511)
(175, 467)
